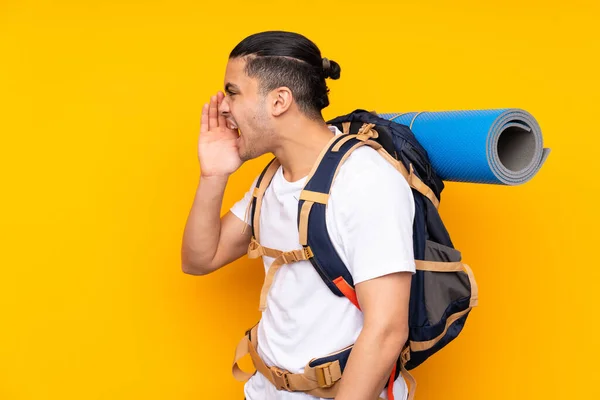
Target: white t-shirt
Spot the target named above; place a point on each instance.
(369, 219)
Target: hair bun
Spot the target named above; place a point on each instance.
(331, 69)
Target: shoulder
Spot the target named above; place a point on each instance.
(372, 212)
(240, 207)
(366, 174)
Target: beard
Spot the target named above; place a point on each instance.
(246, 150)
(256, 137)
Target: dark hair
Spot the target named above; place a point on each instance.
(279, 58)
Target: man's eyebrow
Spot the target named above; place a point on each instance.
(229, 86)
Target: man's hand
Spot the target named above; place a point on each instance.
(217, 145)
(210, 241)
(384, 302)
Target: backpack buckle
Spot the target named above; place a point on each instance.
(289, 257)
(280, 378)
(367, 132)
(308, 252)
(297, 255)
(405, 355)
(324, 375)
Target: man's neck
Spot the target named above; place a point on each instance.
(300, 148)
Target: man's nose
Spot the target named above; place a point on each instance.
(224, 109)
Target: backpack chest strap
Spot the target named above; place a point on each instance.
(256, 250)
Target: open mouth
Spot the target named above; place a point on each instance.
(232, 125)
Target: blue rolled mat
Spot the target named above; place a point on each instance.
(501, 146)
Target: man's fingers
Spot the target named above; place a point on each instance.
(204, 120)
(222, 120)
(213, 121)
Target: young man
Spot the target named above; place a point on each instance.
(275, 85)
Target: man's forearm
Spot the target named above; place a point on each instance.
(370, 364)
(202, 230)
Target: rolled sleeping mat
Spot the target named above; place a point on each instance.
(502, 146)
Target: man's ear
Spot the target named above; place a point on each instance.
(281, 100)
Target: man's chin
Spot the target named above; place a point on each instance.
(244, 155)
(248, 155)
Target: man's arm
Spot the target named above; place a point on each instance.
(209, 241)
(384, 302)
(376, 233)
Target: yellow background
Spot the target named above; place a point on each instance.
(99, 117)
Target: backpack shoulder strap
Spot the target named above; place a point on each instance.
(264, 180)
(312, 208)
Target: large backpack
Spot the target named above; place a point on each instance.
(443, 289)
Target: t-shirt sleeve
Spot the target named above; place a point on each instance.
(376, 217)
(240, 207)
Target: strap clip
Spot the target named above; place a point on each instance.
(289, 257)
(324, 376)
(280, 379)
(308, 252)
(405, 355)
(297, 255)
(367, 132)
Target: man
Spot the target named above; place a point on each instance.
(276, 90)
